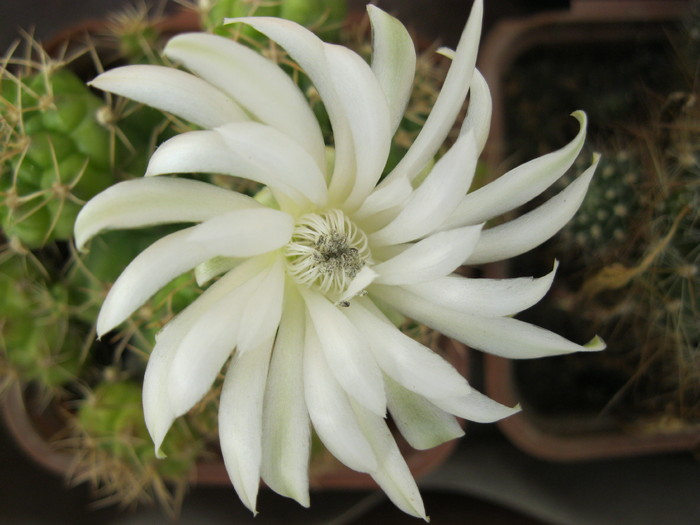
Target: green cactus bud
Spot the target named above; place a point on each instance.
(323, 17)
(240, 8)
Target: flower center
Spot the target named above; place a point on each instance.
(326, 251)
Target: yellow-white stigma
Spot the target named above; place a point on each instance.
(326, 252)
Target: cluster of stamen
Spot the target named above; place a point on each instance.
(326, 251)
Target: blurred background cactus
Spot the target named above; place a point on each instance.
(632, 252)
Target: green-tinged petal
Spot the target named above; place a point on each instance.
(244, 149)
(261, 316)
(532, 229)
(243, 233)
(436, 198)
(393, 61)
(147, 202)
(478, 117)
(492, 297)
(286, 441)
(241, 418)
(520, 184)
(429, 258)
(392, 473)
(361, 99)
(174, 91)
(405, 360)
(309, 52)
(204, 273)
(330, 410)
(152, 269)
(158, 411)
(420, 422)
(448, 103)
(210, 340)
(476, 407)
(347, 353)
(256, 83)
(503, 336)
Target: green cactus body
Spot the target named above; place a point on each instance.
(118, 453)
(600, 229)
(38, 344)
(56, 154)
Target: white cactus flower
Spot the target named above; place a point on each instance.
(304, 284)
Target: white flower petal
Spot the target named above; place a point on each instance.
(241, 418)
(261, 316)
(502, 336)
(330, 410)
(245, 149)
(489, 297)
(286, 438)
(476, 407)
(392, 473)
(277, 155)
(448, 103)
(347, 353)
(478, 117)
(367, 113)
(157, 407)
(384, 198)
(309, 52)
(535, 227)
(152, 269)
(405, 360)
(258, 84)
(174, 91)
(210, 340)
(520, 184)
(420, 422)
(393, 61)
(147, 202)
(157, 411)
(243, 233)
(436, 198)
(206, 151)
(430, 258)
(480, 108)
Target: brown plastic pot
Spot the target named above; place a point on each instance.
(587, 21)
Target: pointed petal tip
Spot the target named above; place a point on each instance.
(581, 116)
(595, 345)
(159, 452)
(103, 326)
